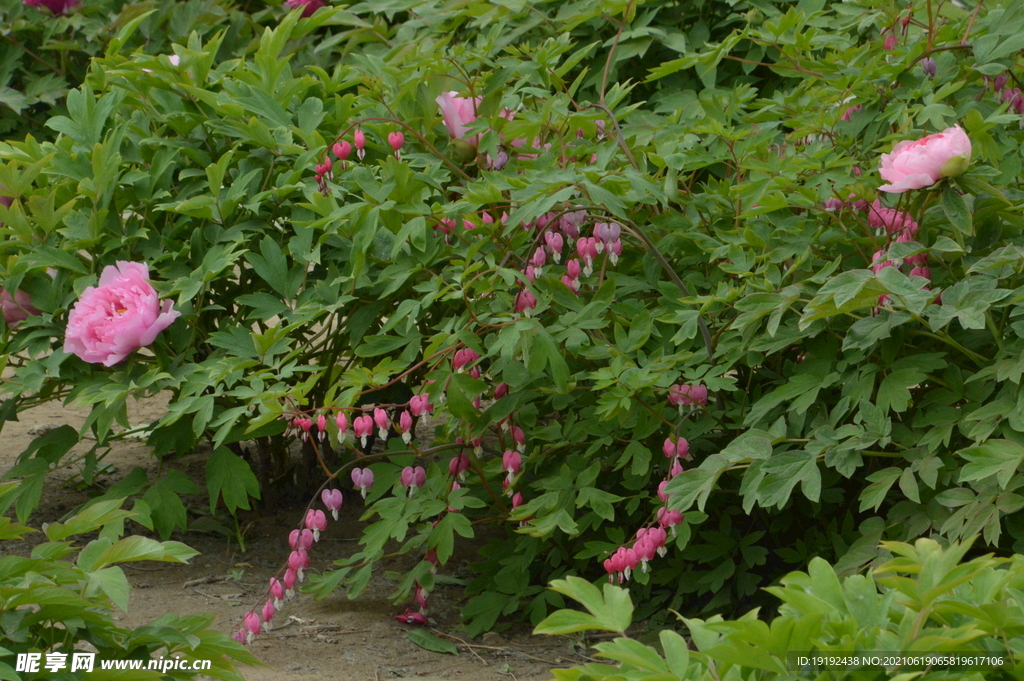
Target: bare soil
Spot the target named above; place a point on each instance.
(335, 638)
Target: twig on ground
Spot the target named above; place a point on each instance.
(208, 579)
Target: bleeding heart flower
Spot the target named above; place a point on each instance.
(360, 141)
(413, 478)
(363, 427)
(396, 140)
(405, 426)
(380, 417)
(332, 499)
(362, 478)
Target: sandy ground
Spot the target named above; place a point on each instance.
(335, 638)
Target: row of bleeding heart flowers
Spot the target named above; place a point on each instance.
(649, 541)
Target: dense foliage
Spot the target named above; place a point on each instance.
(966, 616)
(49, 604)
(719, 163)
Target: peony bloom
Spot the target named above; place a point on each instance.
(922, 163)
(58, 7)
(119, 316)
(17, 308)
(458, 113)
(309, 5)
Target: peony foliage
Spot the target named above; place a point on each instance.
(632, 229)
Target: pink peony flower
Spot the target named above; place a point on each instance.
(458, 113)
(922, 163)
(17, 308)
(119, 316)
(309, 5)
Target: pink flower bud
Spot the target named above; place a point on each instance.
(293, 539)
(572, 284)
(879, 263)
(511, 462)
(342, 422)
(614, 251)
(463, 357)
(268, 614)
(277, 591)
(240, 636)
(360, 141)
(396, 140)
(500, 390)
(519, 437)
(290, 577)
(530, 273)
(321, 427)
(363, 427)
(676, 468)
(540, 257)
(411, 617)
(688, 395)
(405, 426)
(573, 269)
(917, 260)
(413, 478)
(419, 405)
(458, 465)
(297, 560)
(342, 150)
(316, 521)
(380, 417)
(661, 490)
(669, 447)
(890, 41)
(607, 232)
(332, 499)
(921, 272)
(682, 448)
(555, 243)
(517, 500)
(525, 302)
(362, 478)
(252, 623)
(669, 518)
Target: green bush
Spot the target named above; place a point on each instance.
(847, 405)
(927, 600)
(51, 605)
(43, 57)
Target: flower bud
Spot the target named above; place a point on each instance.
(928, 66)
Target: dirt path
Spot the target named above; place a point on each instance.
(335, 638)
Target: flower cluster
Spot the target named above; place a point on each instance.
(279, 591)
(650, 541)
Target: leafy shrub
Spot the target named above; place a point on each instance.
(50, 605)
(926, 600)
(751, 264)
(44, 55)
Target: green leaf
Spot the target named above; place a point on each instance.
(425, 639)
(228, 474)
(113, 583)
(1001, 458)
(955, 208)
(874, 494)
